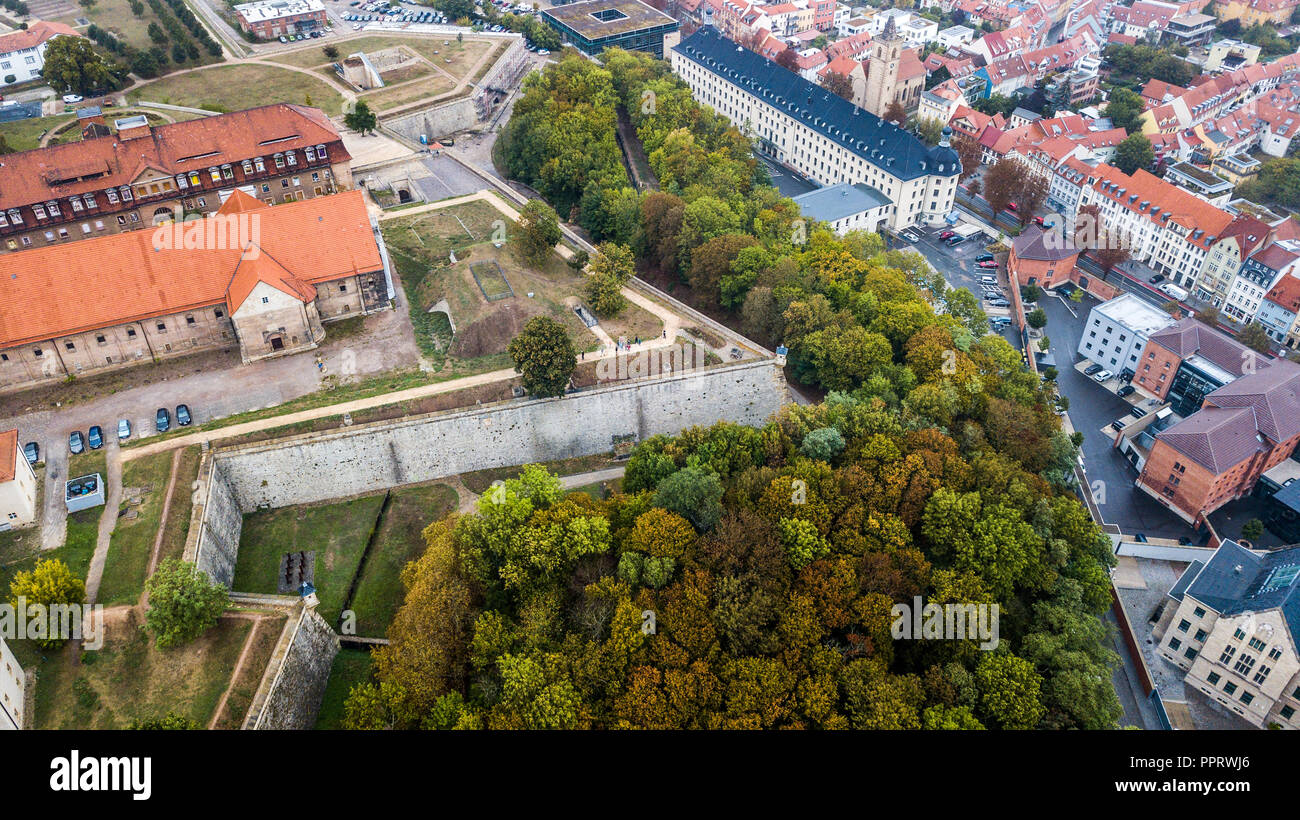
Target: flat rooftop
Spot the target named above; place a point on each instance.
(596, 19)
(1135, 314)
(839, 201)
(275, 9)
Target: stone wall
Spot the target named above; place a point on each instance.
(295, 680)
(435, 122)
(368, 458)
(213, 541)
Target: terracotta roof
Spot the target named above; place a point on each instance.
(1032, 245)
(43, 174)
(1275, 257)
(1286, 293)
(258, 266)
(36, 33)
(51, 292)
(8, 455)
(1165, 203)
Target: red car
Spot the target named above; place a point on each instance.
(988, 265)
(946, 234)
(1038, 220)
(1011, 206)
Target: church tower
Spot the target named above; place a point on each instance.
(882, 69)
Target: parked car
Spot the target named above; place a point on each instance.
(33, 452)
(1011, 206)
(1038, 220)
(162, 420)
(123, 429)
(1103, 376)
(95, 436)
(1126, 390)
(1141, 538)
(984, 257)
(71, 98)
(1157, 279)
(998, 302)
(76, 443)
(1092, 369)
(1117, 425)
(955, 240)
(284, 39)
(990, 265)
(183, 415)
(1137, 412)
(946, 234)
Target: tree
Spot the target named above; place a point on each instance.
(1036, 319)
(612, 268)
(1005, 183)
(1133, 153)
(838, 84)
(361, 119)
(1255, 337)
(543, 354)
(72, 66)
(539, 231)
(693, 493)
(969, 152)
(1125, 109)
(331, 52)
(1252, 529)
(788, 59)
(183, 603)
(895, 113)
(49, 583)
(168, 722)
(930, 130)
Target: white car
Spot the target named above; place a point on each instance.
(71, 98)
(1102, 376)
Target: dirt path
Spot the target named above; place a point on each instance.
(162, 526)
(107, 520)
(239, 665)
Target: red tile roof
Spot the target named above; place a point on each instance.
(8, 455)
(36, 33)
(59, 290)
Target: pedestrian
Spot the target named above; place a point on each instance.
(638, 340)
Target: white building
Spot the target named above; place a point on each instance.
(12, 689)
(817, 133)
(22, 53)
(1234, 632)
(846, 207)
(1257, 276)
(1118, 330)
(17, 485)
(955, 36)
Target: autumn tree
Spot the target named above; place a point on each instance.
(48, 584)
(838, 84)
(895, 113)
(609, 271)
(969, 152)
(538, 231)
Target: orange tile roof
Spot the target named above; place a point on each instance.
(36, 33)
(89, 284)
(1182, 208)
(43, 174)
(1286, 293)
(8, 455)
(258, 266)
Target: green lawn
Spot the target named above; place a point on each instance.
(116, 17)
(131, 679)
(243, 690)
(177, 526)
(351, 667)
(227, 88)
(337, 533)
(133, 538)
(24, 135)
(398, 541)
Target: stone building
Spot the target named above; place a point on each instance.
(137, 174)
(266, 278)
(17, 485)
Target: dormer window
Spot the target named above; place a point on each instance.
(76, 204)
(279, 160)
(227, 172)
(39, 210)
(112, 196)
(291, 157)
(248, 167)
(182, 182)
(53, 208)
(259, 164)
(195, 179)
(15, 217)
(215, 173)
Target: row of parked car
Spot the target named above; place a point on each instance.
(94, 437)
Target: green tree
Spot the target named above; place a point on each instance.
(1133, 153)
(168, 722)
(610, 270)
(693, 493)
(539, 231)
(361, 119)
(543, 354)
(49, 583)
(72, 66)
(1255, 337)
(183, 603)
(1009, 691)
(1252, 529)
(1125, 108)
(1037, 319)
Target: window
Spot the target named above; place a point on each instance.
(1190, 654)
(162, 328)
(38, 352)
(69, 346)
(1274, 653)
(1174, 643)
(1261, 674)
(1239, 634)
(1244, 664)
(1228, 652)
(1246, 698)
(101, 340)
(1229, 687)
(1200, 634)
(343, 287)
(1199, 612)
(1184, 625)
(130, 333)
(219, 313)
(189, 320)
(266, 300)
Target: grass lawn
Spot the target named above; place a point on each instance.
(177, 526)
(131, 679)
(397, 541)
(88, 463)
(133, 537)
(351, 667)
(384, 99)
(244, 689)
(24, 135)
(226, 88)
(115, 16)
(337, 533)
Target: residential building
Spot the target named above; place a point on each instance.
(1233, 632)
(142, 173)
(1186, 361)
(1253, 12)
(1227, 253)
(1229, 55)
(1118, 330)
(1041, 257)
(1277, 313)
(846, 207)
(955, 36)
(1190, 29)
(17, 485)
(263, 277)
(1145, 19)
(22, 52)
(13, 689)
(269, 19)
(816, 133)
(1236, 168)
(592, 26)
(1256, 277)
(1214, 189)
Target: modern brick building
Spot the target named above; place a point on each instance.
(265, 278)
(137, 174)
(270, 19)
(1187, 360)
(1233, 632)
(1217, 454)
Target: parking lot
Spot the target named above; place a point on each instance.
(960, 270)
